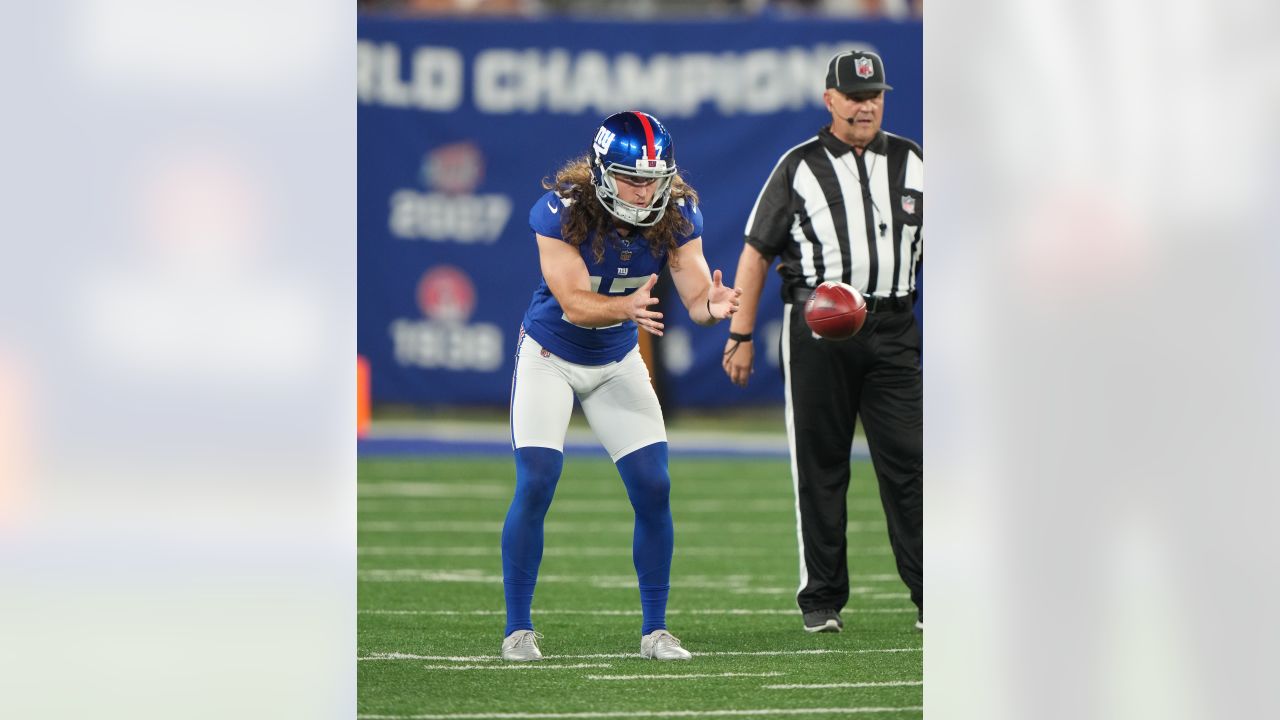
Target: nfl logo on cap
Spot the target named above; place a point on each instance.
(856, 71)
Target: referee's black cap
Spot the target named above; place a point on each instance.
(856, 71)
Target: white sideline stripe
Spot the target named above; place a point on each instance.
(681, 677)
(720, 653)
(892, 683)
(626, 613)
(679, 439)
(473, 429)
(649, 713)
(517, 666)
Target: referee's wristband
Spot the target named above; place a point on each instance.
(740, 337)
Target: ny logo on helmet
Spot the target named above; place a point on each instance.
(863, 67)
(603, 140)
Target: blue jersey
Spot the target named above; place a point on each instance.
(626, 266)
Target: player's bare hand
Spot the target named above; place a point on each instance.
(639, 309)
(736, 361)
(722, 301)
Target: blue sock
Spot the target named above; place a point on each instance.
(537, 472)
(644, 472)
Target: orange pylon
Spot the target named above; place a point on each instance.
(364, 410)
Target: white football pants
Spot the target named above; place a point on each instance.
(617, 399)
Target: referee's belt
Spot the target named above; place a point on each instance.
(874, 303)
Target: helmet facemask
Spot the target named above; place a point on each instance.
(607, 191)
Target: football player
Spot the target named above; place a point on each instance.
(610, 221)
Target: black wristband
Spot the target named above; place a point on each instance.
(709, 315)
(739, 337)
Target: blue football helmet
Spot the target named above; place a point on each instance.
(636, 145)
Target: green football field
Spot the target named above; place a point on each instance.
(431, 609)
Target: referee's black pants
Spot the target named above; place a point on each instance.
(829, 384)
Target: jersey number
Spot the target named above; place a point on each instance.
(617, 287)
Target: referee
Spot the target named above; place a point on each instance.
(844, 205)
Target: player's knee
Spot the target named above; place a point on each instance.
(644, 472)
(537, 472)
(650, 491)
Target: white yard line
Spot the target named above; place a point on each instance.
(427, 526)
(863, 593)
(579, 551)
(432, 551)
(681, 677)
(891, 683)
(649, 713)
(734, 584)
(630, 613)
(622, 526)
(432, 490)
(435, 576)
(617, 551)
(518, 666)
(421, 501)
(721, 653)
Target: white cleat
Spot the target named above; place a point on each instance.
(662, 645)
(521, 646)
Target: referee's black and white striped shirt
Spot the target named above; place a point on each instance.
(830, 214)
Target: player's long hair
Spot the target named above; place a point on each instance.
(586, 216)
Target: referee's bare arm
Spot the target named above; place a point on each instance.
(752, 270)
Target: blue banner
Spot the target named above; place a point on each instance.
(460, 120)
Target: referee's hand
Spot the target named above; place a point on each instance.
(736, 361)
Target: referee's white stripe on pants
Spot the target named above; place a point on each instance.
(791, 438)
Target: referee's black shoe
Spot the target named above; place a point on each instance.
(816, 621)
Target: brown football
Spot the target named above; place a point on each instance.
(835, 311)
